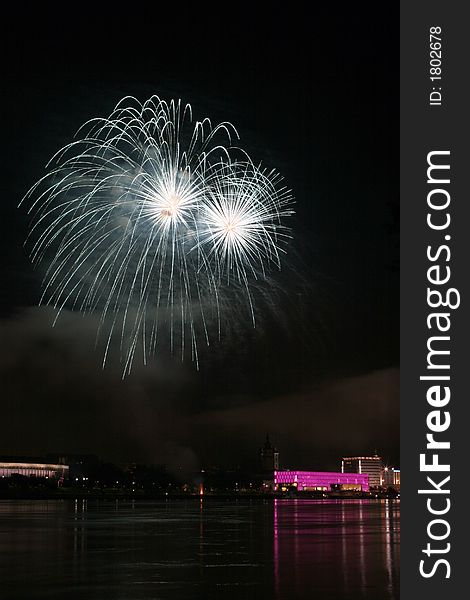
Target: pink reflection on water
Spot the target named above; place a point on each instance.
(336, 549)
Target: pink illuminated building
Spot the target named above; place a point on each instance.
(320, 481)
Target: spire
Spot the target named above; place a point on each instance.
(267, 443)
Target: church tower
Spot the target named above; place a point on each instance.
(269, 457)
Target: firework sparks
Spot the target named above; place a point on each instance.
(147, 217)
(242, 219)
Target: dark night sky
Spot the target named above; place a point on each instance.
(316, 98)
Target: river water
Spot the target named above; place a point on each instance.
(199, 549)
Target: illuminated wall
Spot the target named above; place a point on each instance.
(319, 480)
(370, 465)
(33, 469)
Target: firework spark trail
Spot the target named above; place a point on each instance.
(149, 218)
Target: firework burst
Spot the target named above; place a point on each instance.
(242, 211)
(149, 218)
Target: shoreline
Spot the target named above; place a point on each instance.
(114, 495)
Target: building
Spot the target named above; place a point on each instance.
(269, 457)
(320, 481)
(366, 465)
(32, 468)
(391, 477)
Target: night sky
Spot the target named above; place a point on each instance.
(315, 98)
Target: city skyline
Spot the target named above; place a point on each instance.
(264, 474)
(265, 458)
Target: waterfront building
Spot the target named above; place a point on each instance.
(320, 481)
(32, 468)
(366, 465)
(391, 477)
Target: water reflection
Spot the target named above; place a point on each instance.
(336, 549)
(201, 548)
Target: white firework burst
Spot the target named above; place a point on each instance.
(242, 220)
(146, 217)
